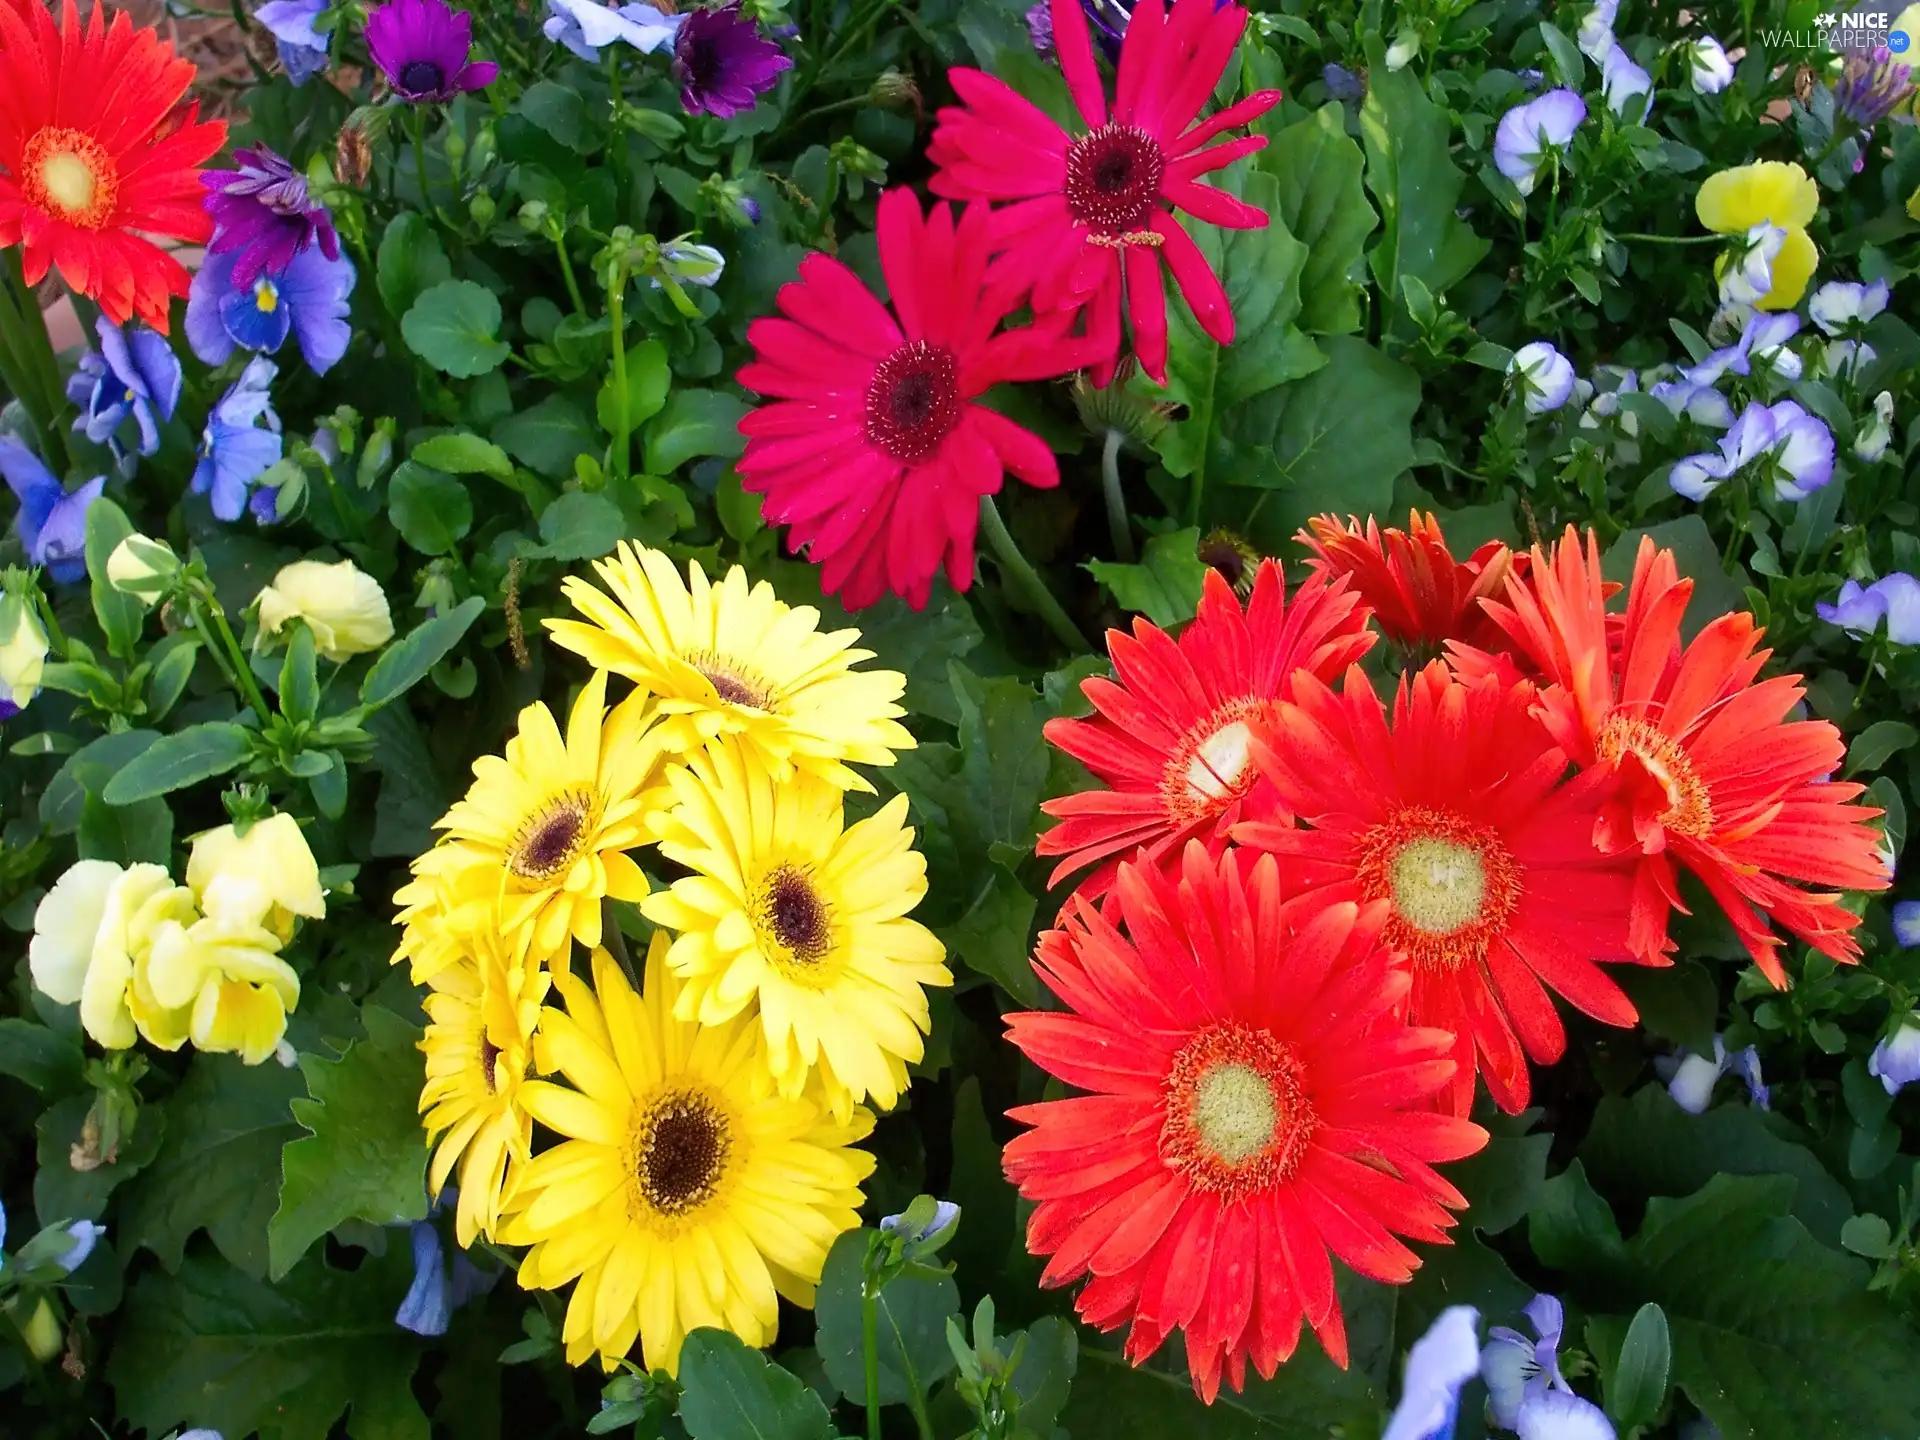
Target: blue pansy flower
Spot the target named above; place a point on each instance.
(1526, 1392)
(1440, 1363)
(241, 440)
(1562, 1415)
(1794, 448)
(1859, 609)
(945, 1212)
(1694, 1076)
(1896, 1060)
(85, 1235)
(583, 26)
(133, 375)
(307, 299)
(303, 49)
(1906, 923)
(438, 1290)
(52, 523)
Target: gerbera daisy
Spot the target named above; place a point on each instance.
(787, 909)
(732, 660)
(481, 1014)
(1258, 1100)
(874, 452)
(1421, 597)
(1460, 817)
(687, 1191)
(543, 834)
(1171, 735)
(1085, 216)
(1713, 775)
(94, 158)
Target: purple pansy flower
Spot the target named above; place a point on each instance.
(1039, 20)
(52, 523)
(1595, 35)
(308, 300)
(423, 47)
(1694, 1076)
(1628, 88)
(1896, 1061)
(583, 26)
(437, 1290)
(1906, 923)
(1440, 1363)
(1544, 375)
(1561, 1415)
(722, 62)
(263, 216)
(1527, 133)
(1514, 1366)
(241, 440)
(1763, 337)
(133, 375)
(302, 49)
(1893, 598)
(1797, 449)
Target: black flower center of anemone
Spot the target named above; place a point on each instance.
(796, 915)
(549, 841)
(706, 62)
(683, 1149)
(913, 401)
(422, 77)
(1113, 179)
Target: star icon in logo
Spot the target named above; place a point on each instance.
(1825, 21)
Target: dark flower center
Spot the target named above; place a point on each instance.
(1113, 179)
(733, 682)
(549, 841)
(705, 61)
(682, 1153)
(795, 914)
(489, 1060)
(422, 77)
(914, 401)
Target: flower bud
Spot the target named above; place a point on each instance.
(23, 649)
(481, 208)
(43, 1332)
(893, 90)
(143, 568)
(343, 606)
(1877, 432)
(353, 156)
(688, 263)
(379, 451)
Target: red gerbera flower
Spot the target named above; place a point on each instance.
(1462, 817)
(1092, 210)
(1420, 595)
(1257, 1100)
(93, 157)
(1172, 736)
(1712, 773)
(874, 454)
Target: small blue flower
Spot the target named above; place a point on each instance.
(1691, 1085)
(1763, 338)
(583, 26)
(1562, 1415)
(1702, 404)
(307, 299)
(1709, 70)
(1859, 609)
(3, 1227)
(427, 1308)
(303, 49)
(1595, 35)
(241, 440)
(1342, 83)
(52, 523)
(1796, 450)
(690, 264)
(1515, 1367)
(945, 1213)
(1906, 923)
(1440, 1363)
(1628, 88)
(1527, 133)
(1842, 308)
(85, 1235)
(1544, 375)
(134, 374)
(1896, 1061)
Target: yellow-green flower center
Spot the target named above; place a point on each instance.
(1438, 885)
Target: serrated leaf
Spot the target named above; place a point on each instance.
(1165, 585)
(39, 1055)
(405, 663)
(455, 326)
(1323, 203)
(183, 758)
(991, 937)
(913, 1310)
(731, 1392)
(366, 1155)
(62, 1193)
(580, 525)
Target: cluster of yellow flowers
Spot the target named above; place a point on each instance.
(146, 958)
(706, 1123)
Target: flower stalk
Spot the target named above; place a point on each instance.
(1020, 570)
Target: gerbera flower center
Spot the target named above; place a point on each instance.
(70, 173)
(1238, 1116)
(1213, 764)
(552, 837)
(792, 914)
(1453, 885)
(1113, 180)
(735, 683)
(913, 401)
(490, 1065)
(422, 77)
(1689, 802)
(681, 1146)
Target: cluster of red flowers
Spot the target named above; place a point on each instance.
(1310, 916)
(875, 450)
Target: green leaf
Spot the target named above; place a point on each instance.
(1570, 1224)
(455, 326)
(991, 937)
(1417, 186)
(580, 525)
(694, 423)
(1636, 1385)
(732, 1392)
(183, 758)
(62, 1193)
(366, 1158)
(1680, 1003)
(212, 1347)
(1305, 1401)
(1697, 555)
(86, 772)
(431, 511)
(299, 682)
(409, 262)
(405, 663)
(1165, 585)
(126, 834)
(171, 672)
(1877, 744)
(913, 1310)
(220, 1169)
(39, 1056)
(1003, 755)
(121, 616)
(1323, 203)
(548, 437)
(561, 111)
(464, 454)
(647, 380)
(1503, 1181)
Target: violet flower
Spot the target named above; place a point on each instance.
(1795, 448)
(133, 375)
(1709, 70)
(1842, 310)
(302, 49)
(309, 299)
(584, 26)
(263, 215)
(424, 48)
(1039, 18)
(1628, 88)
(1694, 1076)
(241, 440)
(1440, 1363)
(1906, 924)
(1544, 375)
(1872, 85)
(723, 63)
(1859, 609)
(1595, 35)
(1895, 1061)
(1763, 338)
(1528, 133)
(52, 523)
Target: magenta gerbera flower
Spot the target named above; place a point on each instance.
(423, 47)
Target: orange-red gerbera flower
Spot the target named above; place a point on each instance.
(1712, 773)
(1463, 818)
(1257, 1100)
(1170, 735)
(1421, 596)
(93, 157)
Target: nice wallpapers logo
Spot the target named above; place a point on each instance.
(1843, 30)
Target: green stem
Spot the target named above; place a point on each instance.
(417, 128)
(1116, 501)
(1669, 239)
(215, 619)
(1022, 572)
(30, 369)
(622, 435)
(566, 273)
(870, 1355)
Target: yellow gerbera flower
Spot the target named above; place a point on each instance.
(482, 1015)
(1767, 192)
(541, 838)
(788, 908)
(733, 660)
(688, 1192)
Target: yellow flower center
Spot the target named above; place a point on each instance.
(1453, 885)
(549, 840)
(1238, 1116)
(795, 924)
(69, 174)
(734, 682)
(1689, 802)
(1213, 764)
(679, 1150)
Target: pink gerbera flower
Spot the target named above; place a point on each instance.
(873, 451)
(1086, 215)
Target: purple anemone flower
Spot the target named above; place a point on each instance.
(52, 523)
(133, 375)
(263, 215)
(307, 300)
(423, 48)
(723, 62)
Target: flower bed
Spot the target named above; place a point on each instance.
(755, 723)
